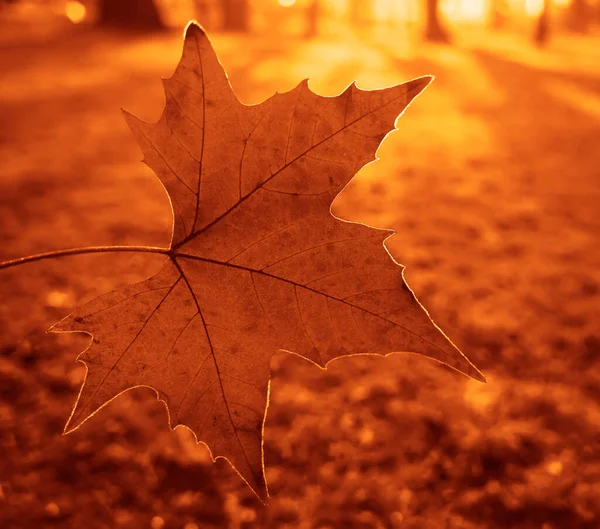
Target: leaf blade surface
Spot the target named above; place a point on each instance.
(258, 263)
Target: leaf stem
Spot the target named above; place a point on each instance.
(80, 251)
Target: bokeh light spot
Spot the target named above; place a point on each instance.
(534, 7)
(157, 522)
(554, 468)
(52, 509)
(75, 12)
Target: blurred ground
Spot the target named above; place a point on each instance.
(493, 184)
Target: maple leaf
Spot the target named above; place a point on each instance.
(257, 261)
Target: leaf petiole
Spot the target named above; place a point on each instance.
(81, 251)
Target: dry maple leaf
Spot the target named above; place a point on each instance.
(257, 262)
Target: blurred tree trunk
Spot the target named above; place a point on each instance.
(359, 12)
(201, 8)
(236, 16)
(130, 14)
(542, 28)
(497, 16)
(578, 16)
(312, 19)
(434, 30)
(203, 12)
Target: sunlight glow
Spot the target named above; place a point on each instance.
(75, 12)
(381, 9)
(465, 10)
(286, 3)
(534, 7)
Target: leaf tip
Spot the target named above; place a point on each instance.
(194, 28)
(68, 429)
(136, 125)
(60, 327)
(416, 86)
(480, 377)
(471, 371)
(127, 115)
(73, 423)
